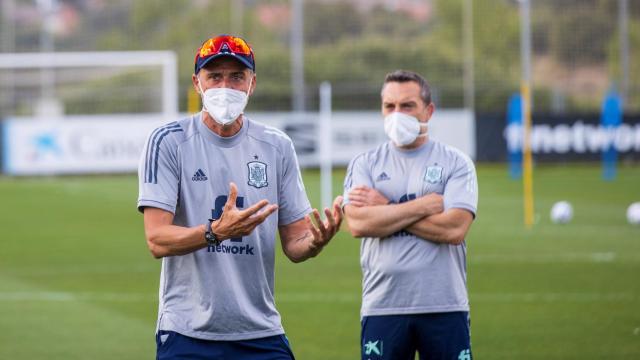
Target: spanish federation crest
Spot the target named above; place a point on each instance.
(257, 174)
(433, 174)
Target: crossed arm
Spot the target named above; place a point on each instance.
(369, 214)
(300, 240)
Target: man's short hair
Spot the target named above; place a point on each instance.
(402, 76)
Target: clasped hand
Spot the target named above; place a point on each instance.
(363, 195)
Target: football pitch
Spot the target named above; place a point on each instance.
(77, 281)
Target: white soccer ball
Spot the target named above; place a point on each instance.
(633, 213)
(561, 212)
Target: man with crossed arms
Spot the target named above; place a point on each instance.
(412, 201)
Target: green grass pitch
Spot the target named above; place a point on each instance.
(77, 281)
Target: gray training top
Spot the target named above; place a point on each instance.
(224, 292)
(402, 273)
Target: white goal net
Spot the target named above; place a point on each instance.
(82, 83)
(82, 112)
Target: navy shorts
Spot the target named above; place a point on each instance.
(442, 336)
(174, 346)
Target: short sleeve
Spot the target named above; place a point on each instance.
(461, 190)
(158, 170)
(293, 203)
(357, 174)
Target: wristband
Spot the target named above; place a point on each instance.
(210, 236)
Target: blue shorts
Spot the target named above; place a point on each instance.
(442, 336)
(174, 346)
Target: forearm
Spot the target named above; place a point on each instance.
(301, 248)
(383, 220)
(169, 240)
(449, 227)
(302, 240)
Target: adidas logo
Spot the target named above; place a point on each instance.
(199, 176)
(383, 177)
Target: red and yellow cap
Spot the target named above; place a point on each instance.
(224, 45)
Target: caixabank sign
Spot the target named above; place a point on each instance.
(573, 137)
(97, 144)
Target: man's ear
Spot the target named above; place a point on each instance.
(429, 111)
(194, 82)
(253, 83)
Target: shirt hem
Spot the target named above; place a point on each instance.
(226, 337)
(464, 206)
(416, 310)
(142, 203)
(291, 219)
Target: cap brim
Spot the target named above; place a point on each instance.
(240, 59)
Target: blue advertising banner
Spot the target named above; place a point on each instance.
(557, 138)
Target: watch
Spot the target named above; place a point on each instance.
(210, 236)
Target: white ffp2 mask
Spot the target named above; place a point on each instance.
(224, 104)
(402, 129)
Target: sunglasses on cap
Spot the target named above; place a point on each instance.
(224, 45)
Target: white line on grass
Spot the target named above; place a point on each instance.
(553, 297)
(52, 296)
(596, 257)
(82, 269)
(317, 297)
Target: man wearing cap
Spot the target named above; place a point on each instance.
(412, 201)
(214, 189)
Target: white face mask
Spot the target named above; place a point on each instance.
(402, 129)
(223, 104)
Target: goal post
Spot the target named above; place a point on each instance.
(82, 112)
(110, 59)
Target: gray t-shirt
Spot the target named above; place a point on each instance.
(224, 292)
(402, 273)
